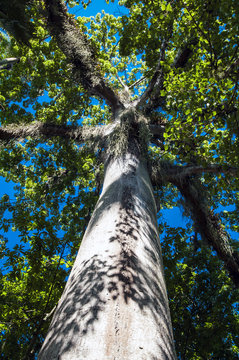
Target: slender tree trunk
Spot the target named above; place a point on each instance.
(115, 304)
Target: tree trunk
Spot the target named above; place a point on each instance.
(115, 305)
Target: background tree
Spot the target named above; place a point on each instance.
(176, 64)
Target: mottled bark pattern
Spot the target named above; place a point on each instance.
(115, 303)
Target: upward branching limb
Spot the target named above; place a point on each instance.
(184, 53)
(152, 92)
(157, 78)
(74, 44)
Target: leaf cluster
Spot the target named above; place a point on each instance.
(59, 181)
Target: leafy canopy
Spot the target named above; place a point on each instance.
(193, 47)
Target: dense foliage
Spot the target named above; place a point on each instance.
(191, 49)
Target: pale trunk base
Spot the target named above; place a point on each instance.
(115, 305)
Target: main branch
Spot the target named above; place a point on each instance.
(208, 225)
(181, 172)
(79, 134)
(74, 44)
(206, 222)
(156, 83)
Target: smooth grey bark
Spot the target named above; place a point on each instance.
(8, 63)
(115, 302)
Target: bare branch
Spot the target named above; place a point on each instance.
(184, 53)
(206, 222)
(137, 82)
(179, 172)
(231, 67)
(157, 130)
(164, 172)
(124, 86)
(156, 84)
(157, 79)
(48, 315)
(7, 64)
(209, 225)
(74, 44)
(38, 130)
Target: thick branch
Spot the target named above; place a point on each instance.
(157, 130)
(7, 64)
(206, 222)
(15, 20)
(157, 82)
(157, 78)
(184, 53)
(181, 172)
(164, 172)
(37, 130)
(208, 225)
(74, 44)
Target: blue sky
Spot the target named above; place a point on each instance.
(173, 216)
(97, 6)
(94, 7)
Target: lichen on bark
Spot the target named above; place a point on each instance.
(131, 134)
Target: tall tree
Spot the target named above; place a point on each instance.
(152, 96)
